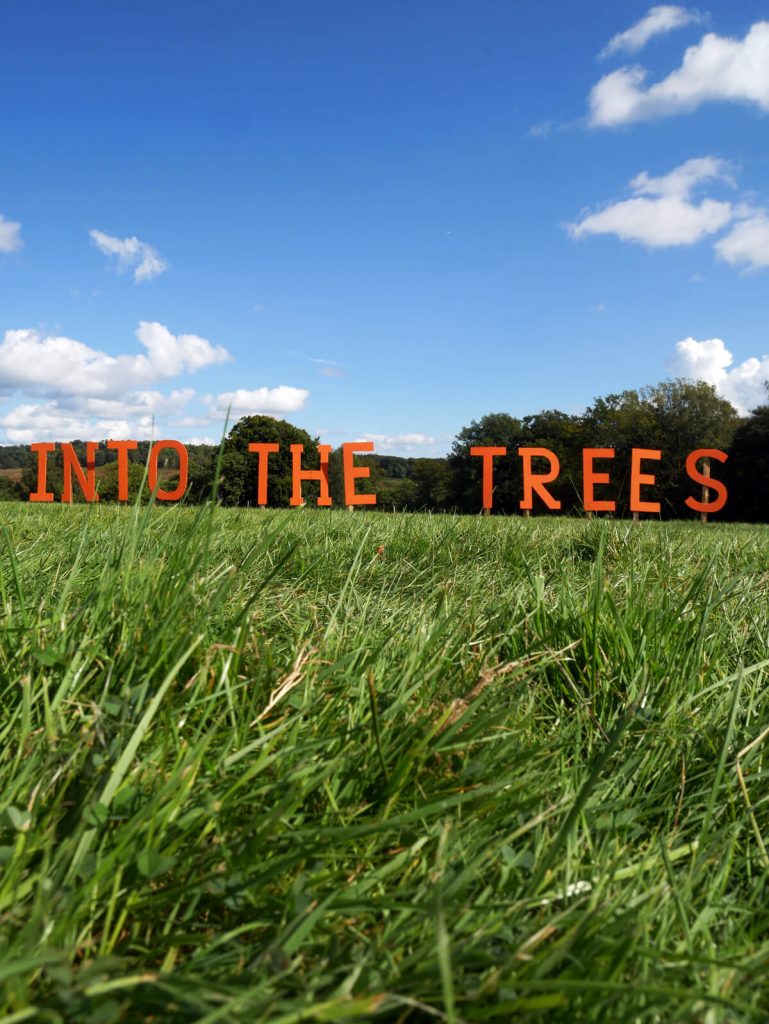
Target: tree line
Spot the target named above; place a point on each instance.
(675, 416)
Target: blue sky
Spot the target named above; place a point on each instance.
(376, 219)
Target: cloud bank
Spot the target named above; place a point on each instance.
(91, 394)
(717, 69)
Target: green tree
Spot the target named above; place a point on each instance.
(557, 431)
(431, 479)
(496, 429)
(238, 484)
(676, 417)
(10, 490)
(54, 476)
(372, 485)
(747, 471)
(107, 482)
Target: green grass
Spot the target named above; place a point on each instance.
(317, 766)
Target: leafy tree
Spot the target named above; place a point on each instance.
(431, 479)
(496, 429)
(362, 486)
(398, 493)
(108, 483)
(238, 484)
(10, 490)
(54, 476)
(676, 417)
(560, 432)
(747, 471)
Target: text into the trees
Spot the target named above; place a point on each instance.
(539, 467)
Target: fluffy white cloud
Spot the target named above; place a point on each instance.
(86, 393)
(742, 385)
(747, 243)
(715, 69)
(657, 21)
(269, 401)
(61, 419)
(662, 213)
(130, 252)
(90, 394)
(60, 366)
(27, 424)
(10, 235)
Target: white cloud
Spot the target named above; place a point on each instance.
(27, 424)
(657, 21)
(393, 443)
(269, 401)
(84, 392)
(682, 179)
(60, 366)
(90, 394)
(747, 243)
(136, 415)
(206, 439)
(662, 213)
(742, 385)
(715, 69)
(10, 235)
(130, 252)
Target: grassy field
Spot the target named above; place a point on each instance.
(319, 766)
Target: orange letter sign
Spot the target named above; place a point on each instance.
(122, 448)
(299, 474)
(590, 478)
(152, 470)
(715, 485)
(264, 449)
(637, 478)
(87, 486)
(488, 455)
(41, 494)
(353, 473)
(536, 481)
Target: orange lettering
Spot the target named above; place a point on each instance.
(590, 478)
(488, 454)
(637, 479)
(152, 470)
(86, 484)
(353, 473)
(298, 475)
(41, 494)
(264, 449)
(536, 481)
(706, 481)
(122, 448)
